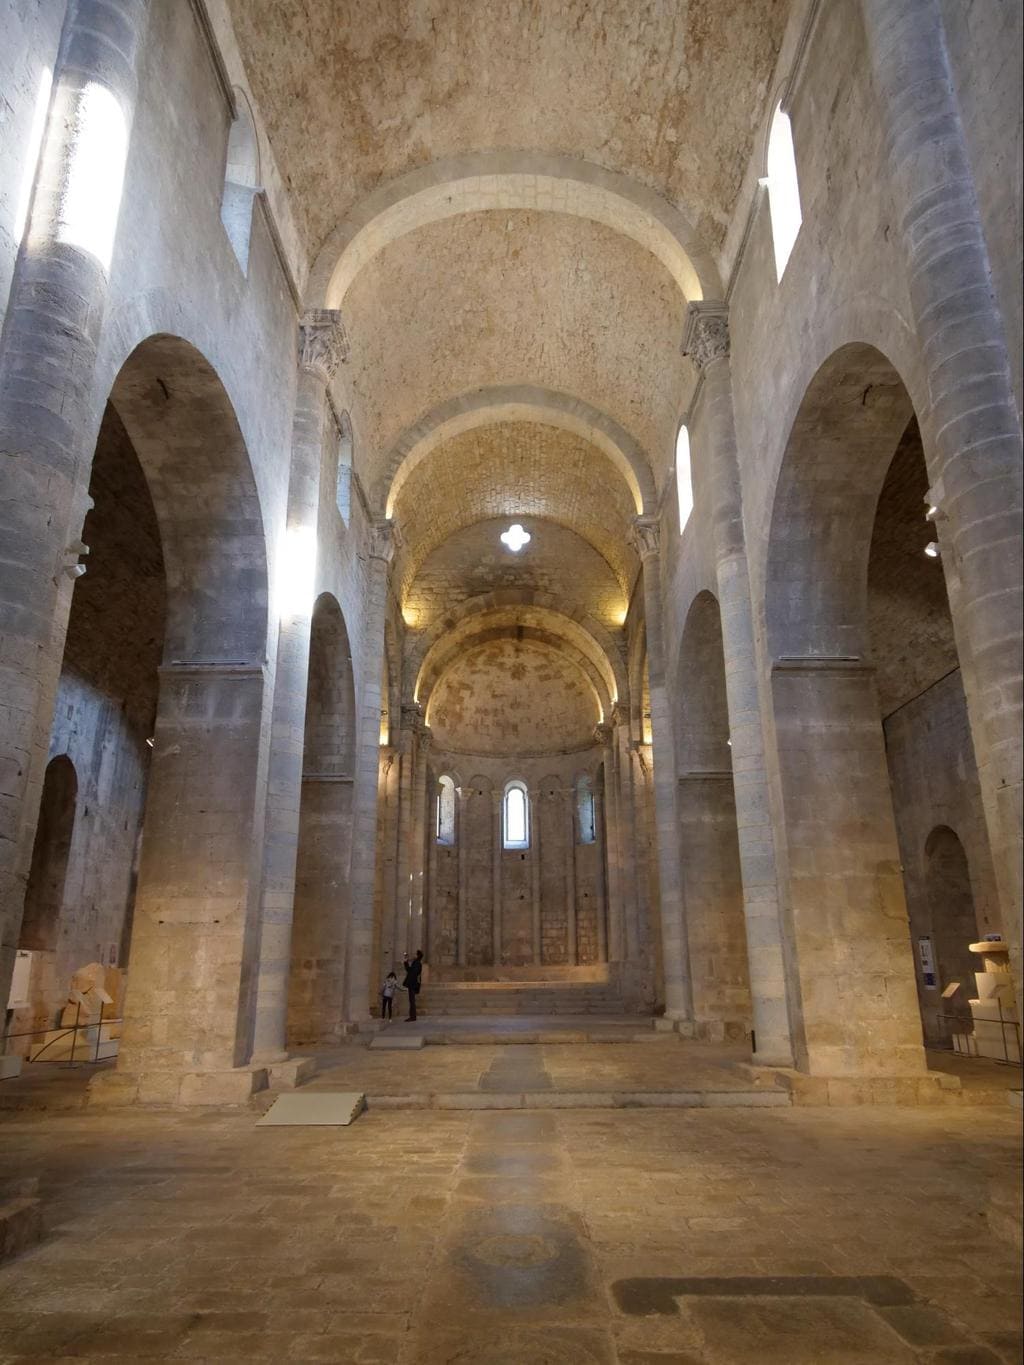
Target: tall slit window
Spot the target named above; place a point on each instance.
(445, 818)
(241, 180)
(585, 811)
(684, 477)
(516, 816)
(343, 488)
(783, 190)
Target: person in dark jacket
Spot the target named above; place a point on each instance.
(413, 981)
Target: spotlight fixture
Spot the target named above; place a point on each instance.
(932, 514)
(932, 549)
(74, 570)
(515, 538)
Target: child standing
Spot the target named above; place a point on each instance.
(387, 995)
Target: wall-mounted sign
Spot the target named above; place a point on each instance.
(19, 996)
(926, 959)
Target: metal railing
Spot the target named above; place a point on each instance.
(962, 1037)
(87, 1056)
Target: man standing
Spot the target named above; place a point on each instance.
(412, 982)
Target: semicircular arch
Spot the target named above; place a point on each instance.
(450, 652)
(526, 604)
(514, 403)
(511, 180)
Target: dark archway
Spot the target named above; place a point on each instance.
(712, 880)
(862, 651)
(44, 896)
(189, 1008)
(102, 718)
(846, 896)
(316, 990)
(953, 924)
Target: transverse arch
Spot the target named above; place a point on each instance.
(514, 403)
(508, 181)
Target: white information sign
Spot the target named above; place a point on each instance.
(926, 959)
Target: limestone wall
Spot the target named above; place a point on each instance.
(31, 35)
(558, 884)
(935, 786)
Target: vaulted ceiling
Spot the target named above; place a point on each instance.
(356, 92)
(513, 198)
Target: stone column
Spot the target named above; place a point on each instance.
(571, 944)
(676, 958)
(48, 409)
(188, 1013)
(535, 886)
(624, 929)
(418, 832)
(706, 342)
(322, 348)
(976, 466)
(430, 885)
(412, 723)
(387, 876)
(607, 826)
(497, 843)
(380, 550)
(600, 879)
(463, 793)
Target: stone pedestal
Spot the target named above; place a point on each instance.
(236, 1085)
(291, 1072)
(994, 1009)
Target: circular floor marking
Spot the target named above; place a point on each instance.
(515, 1249)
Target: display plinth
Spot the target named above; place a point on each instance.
(994, 1009)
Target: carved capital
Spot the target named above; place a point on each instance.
(603, 735)
(620, 713)
(645, 535)
(385, 540)
(323, 344)
(412, 715)
(706, 333)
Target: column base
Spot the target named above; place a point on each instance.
(269, 1057)
(235, 1085)
(772, 1059)
(291, 1072)
(846, 1091)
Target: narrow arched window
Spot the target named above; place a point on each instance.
(445, 815)
(343, 484)
(241, 179)
(516, 816)
(684, 476)
(585, 817)
(783, 189)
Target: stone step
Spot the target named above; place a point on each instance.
(585, 1099)
(441, 1009)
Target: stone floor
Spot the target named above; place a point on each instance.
(663, 1064)
(702, 1237)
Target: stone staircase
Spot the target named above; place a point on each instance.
(520, 997)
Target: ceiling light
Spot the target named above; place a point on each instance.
(932, 549)
(932, 513)
(515, 538)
